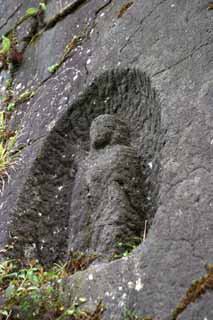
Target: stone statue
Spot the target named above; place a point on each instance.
(107, 199)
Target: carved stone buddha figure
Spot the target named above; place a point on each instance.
(106, 205)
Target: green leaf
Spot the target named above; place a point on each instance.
(26, 95)
(11, 107)
(2, 121)
(10, 144)
(4, 313)
(32, 11)
(126, 254)
(43, 6)
(10, 291)
(70, 312)
(32, 277)
(11, 275)
(2, 151)
(6, 44)
(32, 288)
(53, 68)
(25, 306)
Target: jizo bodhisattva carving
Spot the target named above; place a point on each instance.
(107, 197)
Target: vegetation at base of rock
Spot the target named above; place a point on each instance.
(30, 292)
(78, 261)
(123, 249)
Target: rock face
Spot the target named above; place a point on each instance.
(149, 63)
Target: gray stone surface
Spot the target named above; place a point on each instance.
(171, 43)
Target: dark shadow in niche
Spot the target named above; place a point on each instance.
(42, 218)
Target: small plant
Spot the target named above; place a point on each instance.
(5, 157)
(78, 261)
(6, 44)
(29, 292)
(11, 107)
(34, 11)
(123, 249)
(43, 6)
(7, 142)
(5, 49)
(53, 68)
(9, 54)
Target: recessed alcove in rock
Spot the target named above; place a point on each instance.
(42, 217)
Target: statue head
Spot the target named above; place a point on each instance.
(108, 130)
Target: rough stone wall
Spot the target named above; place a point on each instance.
(171, 42)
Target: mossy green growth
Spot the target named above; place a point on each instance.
(53, 68)
(43, 6)
(24, 96)
(32, 11)
(11, 107)
(31, 292)
(6, 45)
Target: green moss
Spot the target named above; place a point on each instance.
(6, 45)
(53, 68)
(25, 96)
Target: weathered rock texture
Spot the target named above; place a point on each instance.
(152, 67)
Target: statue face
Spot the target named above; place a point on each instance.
(108, 130)
(101, 131)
